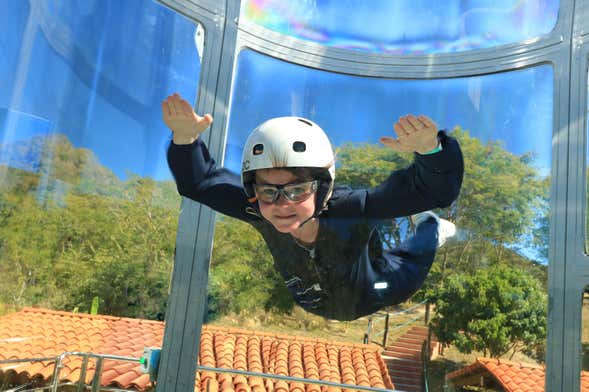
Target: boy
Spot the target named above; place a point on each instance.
(323, 238)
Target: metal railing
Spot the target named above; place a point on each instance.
(95, 385)
(81, 383)
(425, 356)
(369, 335)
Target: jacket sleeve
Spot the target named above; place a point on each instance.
(431, 181)
(198, 178)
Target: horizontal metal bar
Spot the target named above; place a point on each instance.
(72, 384)
(295, 379)
(50, 359)
(405, 323)
(103, 356)
(399, 312)
(72, 353)
(210, 369)
(407, 310)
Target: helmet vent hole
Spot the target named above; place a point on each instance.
(258, 149)
(306, 122)
(299, 147)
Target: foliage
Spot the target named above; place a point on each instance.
(497, 310)
(71, 231)
(242, 276)
(112, 240)
(503, 203)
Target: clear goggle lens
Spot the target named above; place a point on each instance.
(296, 193)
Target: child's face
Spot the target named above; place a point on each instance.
(286, 216)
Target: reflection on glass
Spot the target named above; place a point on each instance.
(489, 284)
(88, 209)
(587, 190)
(407, 26)
(585, 341)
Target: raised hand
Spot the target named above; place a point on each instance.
(182, 120)
(414, 134)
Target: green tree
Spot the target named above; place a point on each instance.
(70, 230)
(120, 250)
(497, 310)
(243, 277)
(503, 203)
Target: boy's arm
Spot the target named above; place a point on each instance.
(432, 181)
(196, 174)
(198, 178)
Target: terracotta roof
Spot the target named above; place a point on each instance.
(511, 376)
(34, 333)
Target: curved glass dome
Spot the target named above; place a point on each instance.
(406, 26)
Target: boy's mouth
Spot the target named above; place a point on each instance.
(285, 216)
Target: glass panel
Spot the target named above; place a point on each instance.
(585, 340)
(88, 207)
(406, 26)
(587, 178)
(490, 279)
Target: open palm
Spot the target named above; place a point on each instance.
(414, 134)
(179, 116)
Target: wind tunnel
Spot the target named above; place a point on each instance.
(95, 236)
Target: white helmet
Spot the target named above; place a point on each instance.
(284, 142)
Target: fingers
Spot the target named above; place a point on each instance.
(414, 133)
(406, 125)
(168, 107)
(389, 142)
(166, 111)
(409, 124)
(176, 105)
(427, 122)
(208, 119)
(393, 144)
(414, 124)
(400, 130)
(186, 108)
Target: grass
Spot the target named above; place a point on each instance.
(585, 333)
(301, 323)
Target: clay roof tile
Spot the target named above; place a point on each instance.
(41, 333)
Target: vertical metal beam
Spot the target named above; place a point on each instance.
(56, 371)
(187, 301)
(577, 264)
(82, 380)
(97, 375)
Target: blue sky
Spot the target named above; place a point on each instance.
(407, 26)
(514, 107)
(96, 77)
(83, 70)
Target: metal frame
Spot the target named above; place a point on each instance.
(187, 301)
(101, 357)
(565, 48)
(81, 386)
(577, 272)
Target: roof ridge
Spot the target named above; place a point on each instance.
(291, 338)
(212, 328)
(86, 315)
(502, 361)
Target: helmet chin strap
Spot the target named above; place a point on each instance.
(307, 220)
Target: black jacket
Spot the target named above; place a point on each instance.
(324, 282)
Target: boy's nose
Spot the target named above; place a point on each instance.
(282, 200)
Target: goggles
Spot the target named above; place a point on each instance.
(296, 193)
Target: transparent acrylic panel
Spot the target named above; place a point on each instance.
(587, 181)
(406, 26)
(88, 207)
(585, 341)
(496, 266)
